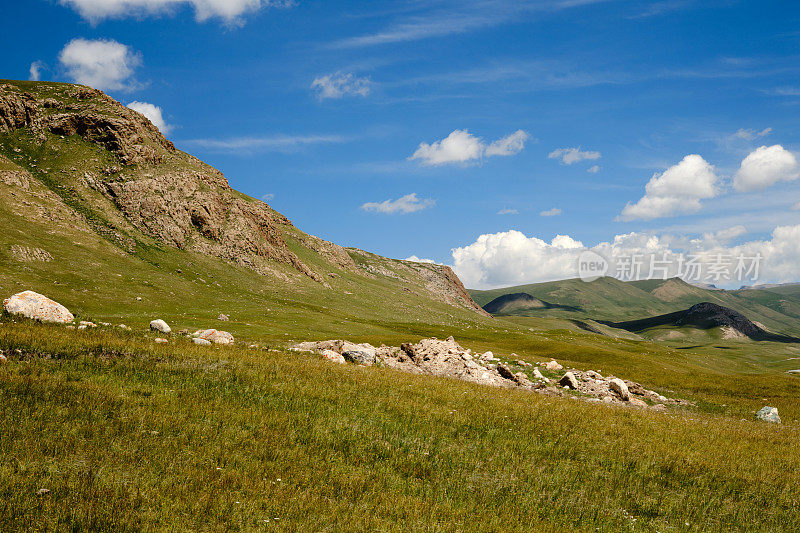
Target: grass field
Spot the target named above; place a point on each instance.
(129, 435)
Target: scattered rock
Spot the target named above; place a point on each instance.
(636, 402)
(569, 381)
(538, 375)
(214, 335)
(86, 324)
(553, 366)
(3, 359)
(160, 325)
(161, 341)
(37, 307)
(224, 318)
(769, 414)
(42, 492)
(124, 327)
(520, 362)
(201, 342)
(619, 386)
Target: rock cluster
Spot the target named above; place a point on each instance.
(214, 336)
(447, 358)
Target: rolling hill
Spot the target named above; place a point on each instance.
(608, 299)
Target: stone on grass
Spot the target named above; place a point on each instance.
(161, 341)
(37, 307)
(553, 366)
(769, 414)
(538, 375)
(636, 402)
(160, 325)
(86, 324)
(3, 359)
(360, 356)
(569, 380)
(619, 386)
(224, 318)
(214, 335)
(201, 342)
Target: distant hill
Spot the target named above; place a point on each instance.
(705, 316)
(510, 304)
(611, 300)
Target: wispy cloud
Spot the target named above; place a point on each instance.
(341, 84)
(551, 212)
(277, 143)
(474, 15)
(508, 212)
(409, 203)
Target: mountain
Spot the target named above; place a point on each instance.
(706, 316)
(611, 300)
(100, 208)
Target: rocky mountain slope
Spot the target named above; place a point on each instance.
(75, 161)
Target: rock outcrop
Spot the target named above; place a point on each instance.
(37, 307)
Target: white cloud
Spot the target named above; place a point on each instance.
(508, 212)
(508, 145)
(764, 167)
(569, 156)
(463, 147)
(153, 113)
(338, 85)
(409, 203)
(725, 235)
(678, 189)
(751, 135)
(594, 169)
(229, 10)
(267, 197)
(551, 212)
(416, 259)
(103, 64)
(511, 258)
(36, 71)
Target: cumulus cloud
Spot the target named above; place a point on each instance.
(764, 167)
(551, 212)
(409, 203)
(678, 189)
(153, 113)
(512, 258)
(229, 10)
(103, 64)
(339, 85)
(36, 71)
(568, 156)
(594, 169)
(416, 259)
(463, 147)
(508, 212)
(508, 145)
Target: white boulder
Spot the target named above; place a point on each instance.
(769, 414)
(553, 366)
(160, 325)
(37, 307)
(201, 342)
(619, 386)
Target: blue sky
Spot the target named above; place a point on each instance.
(320, 107)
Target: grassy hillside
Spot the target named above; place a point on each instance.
(613, 300)
(130, 435)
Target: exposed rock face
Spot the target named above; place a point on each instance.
(37, 307)
(569, 381)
